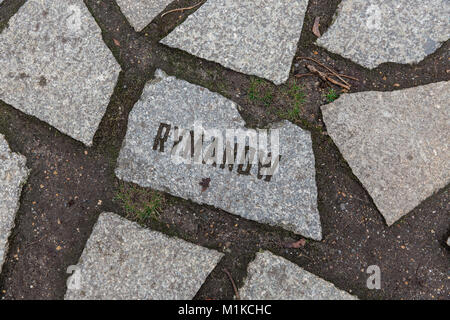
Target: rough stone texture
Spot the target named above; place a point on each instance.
(13, 174)
(257, 37)
(271, 277)
(141, 12)
(395, 142)
(371, 32)
(122, 260)
(55, 66)
(289, 200)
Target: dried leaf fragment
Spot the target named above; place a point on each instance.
(296, 244)
(315, 28)
(205, 183)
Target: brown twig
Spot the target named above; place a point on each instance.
(299, 75)
(236, 292)
(329, 69)
(36, 241)
(345, 76)
(182, 9)
(315, 28)
(324, 77)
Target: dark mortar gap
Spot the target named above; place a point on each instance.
(195, 218)
(59, 205)
(160, 27)
(236, 265)
(112, 129)
(7, 9)
(124, 42)
(9, 117)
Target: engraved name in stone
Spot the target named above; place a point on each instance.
(238, 149)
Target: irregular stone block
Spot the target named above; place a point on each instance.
(395, 142)
(122, 260)
(141, 12)
(371, 32)
(13, 174)
(170, 108)
(257, 37)
(55, 66)
(271, 277)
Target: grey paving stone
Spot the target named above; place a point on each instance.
(141, 12)
(371, 32)
(13, 174)
(271, 277)
(253, 37)
(122, 260)
(55, 66)
(288, 200)
(395, 142)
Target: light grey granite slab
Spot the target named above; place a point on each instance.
(141, 12)
(55, 66)
(371, 32)
(257, 37)
(13, 174)
(395, 142)
(288, 200)
(271, 277)
(122, 260)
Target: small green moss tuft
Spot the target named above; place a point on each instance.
(260, 92)
(298, 97)
(140, 203)
(331, 95)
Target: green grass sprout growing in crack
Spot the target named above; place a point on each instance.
(140, 203)
(297, 94)
(331, 95)
(258, 92)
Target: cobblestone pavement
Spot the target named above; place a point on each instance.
(292, 146)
